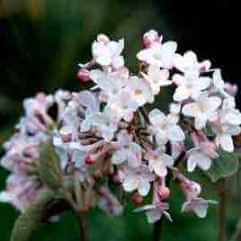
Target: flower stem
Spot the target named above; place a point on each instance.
(222, 211)
(157, 232)
(83, 225)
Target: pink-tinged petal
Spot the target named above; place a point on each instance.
(226, 142)
(118, 62)
(213, 103)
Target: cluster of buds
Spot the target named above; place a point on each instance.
(106, 140)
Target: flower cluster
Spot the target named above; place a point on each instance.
(105, 135)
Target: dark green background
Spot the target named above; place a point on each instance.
(41, 44)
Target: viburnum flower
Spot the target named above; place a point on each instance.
(104, 122)
(165, 128)
(196, 157)
(111, 83)
(189, 63)
(159, 162)
(157, 78)
(203, 109)
(127, 151)
(189, 85)
(227, 125)
(137, 179)
(123, 106)
(198, 205)
(159, 54)
(155, 212)
(83, 145)
(107, 52)
(139, 91)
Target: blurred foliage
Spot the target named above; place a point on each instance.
(41, 44)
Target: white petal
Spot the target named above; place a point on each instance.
(144, 188)
(156, 117)
(119, 157)
(181, 93)
(213, 103)
(191, 163)
(204, 162)
(175, 133)
(143, 55)
(191, 109)
(200, 121)
(104, 60)
(160, 169)
(204, 83)
(130, 183)
(226, 142)
(153, 216)
(118, 62)
(201, 210)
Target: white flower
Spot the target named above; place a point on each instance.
(157, 78)
(106, 52)
(137, 179)
(224, 135)
(159, 162)
(189, 63)
(189, 85)
(175, 108)
(228, 125)
(229, 114)
(111, 83)
(198, 158)
(139, 90)
(204, 109)
(105, 122)
(127, 151)
(161, 55)
(123, 106)
(198, 205)
(154, 212)
(165, 127)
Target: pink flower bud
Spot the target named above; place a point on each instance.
(151, 37)
(103, 38)
(83, 75)
(137, 199)
(164, 192)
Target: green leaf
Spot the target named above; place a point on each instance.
(225, 165)
(49, 167)
(31, 219)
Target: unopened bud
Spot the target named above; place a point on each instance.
(150, 37)
(164, 192)
(137, 199)
(103, 38)
(83, 75)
